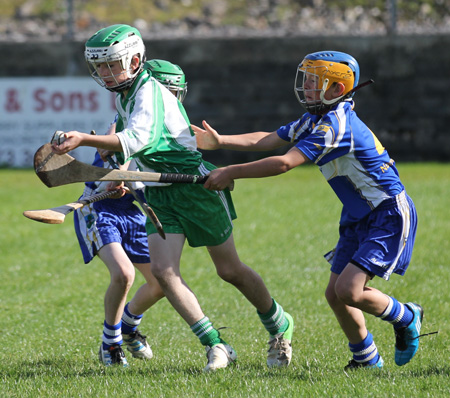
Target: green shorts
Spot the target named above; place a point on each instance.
(203, 216)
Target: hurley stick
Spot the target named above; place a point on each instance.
(57, 215)
(64, 169)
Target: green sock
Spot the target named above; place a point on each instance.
(205, 331)
(274, 321)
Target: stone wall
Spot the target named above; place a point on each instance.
(247, 85)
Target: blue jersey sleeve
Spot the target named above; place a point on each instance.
(324, 144)
(350, 157)
(297, 130)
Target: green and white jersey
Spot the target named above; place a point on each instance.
(154, 129)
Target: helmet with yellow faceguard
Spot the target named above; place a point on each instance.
(320, 71)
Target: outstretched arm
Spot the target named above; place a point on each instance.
(74, 139)
(222, 177)
(210, 139)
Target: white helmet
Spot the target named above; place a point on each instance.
(115, 43)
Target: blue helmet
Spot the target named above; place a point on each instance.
(326, 68)
(340, 57)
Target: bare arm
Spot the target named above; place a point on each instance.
(220, 178)
(74, 139)
(210, 139)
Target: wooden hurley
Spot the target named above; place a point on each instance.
(57, 215)
(55, 170)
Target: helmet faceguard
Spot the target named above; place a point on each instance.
(115, 43)
(169, 75)
(322, 70)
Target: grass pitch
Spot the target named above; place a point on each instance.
(51, 304)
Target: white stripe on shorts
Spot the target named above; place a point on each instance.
(405, 211)
(90, 234)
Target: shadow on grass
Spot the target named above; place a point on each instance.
(67, 368)
(441, 370)
(427, 371)
(49, 367)
(317, 373)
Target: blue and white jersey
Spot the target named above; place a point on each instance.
(350, 157)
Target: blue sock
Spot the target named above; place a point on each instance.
(130, 322)
(397, 314)
(366, 351)
(112, 334)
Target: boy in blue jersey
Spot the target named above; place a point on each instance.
(153, 128)
(378, 221)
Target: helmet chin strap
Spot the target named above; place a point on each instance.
(322, 95)
(345, 96)
(129, 82)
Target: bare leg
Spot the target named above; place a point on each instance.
(352, 290)
(122, 277)
(350, 319)
(230, 268)
(148, 294)
(166, 256)
(348, 297)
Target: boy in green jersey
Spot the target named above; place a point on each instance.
(153, 129)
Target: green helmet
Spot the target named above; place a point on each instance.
(115, 43)
(169, 75)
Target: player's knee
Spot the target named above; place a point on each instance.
(229, 274)
(163, 274)
(331, 296)
(157, 292)
(123, 280)
(157, 270)
(346, 295)
(226, 275)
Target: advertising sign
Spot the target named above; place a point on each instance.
(32, 109)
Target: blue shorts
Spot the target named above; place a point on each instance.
(108, 221)
(382, 242)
